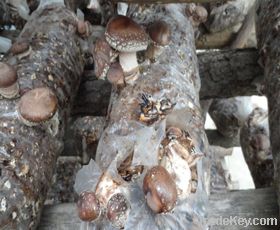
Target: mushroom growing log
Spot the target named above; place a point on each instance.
(156, 122)
(223, 73)
(48, 75)
(268, 27)
(230, 73)
(230, 114)
(254, 140)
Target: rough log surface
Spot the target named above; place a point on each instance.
(230, 73)
(254, 139)
(215, 138)
(28, 154)
(174, 77)
(217, 40)
(230, 114)
(93, 97)
(268, 26)
(82, 136)
(258, 203)
(223, 74)
(62, 189)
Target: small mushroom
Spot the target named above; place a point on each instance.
(88, 206)
(126, 36)
(160, 33)
(174, 133)
(118, 209)
(115, 74)
(37, 106)
(9, 87)
(196, 13)
(83, 28)
(160, 190)
(20, 47)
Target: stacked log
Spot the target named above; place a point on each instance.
(52, 62)
(268, 42)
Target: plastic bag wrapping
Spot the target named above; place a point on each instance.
(174, 77)
(28, 154)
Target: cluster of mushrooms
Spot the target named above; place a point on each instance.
(123, 38)
(36, 106)
(174, 178)
(164, 185)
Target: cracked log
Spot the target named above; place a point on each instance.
(268, 26)
(28, 154)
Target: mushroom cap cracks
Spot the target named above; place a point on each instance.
(38, 105)
(8, 75)
(125, 35)
(160, 33)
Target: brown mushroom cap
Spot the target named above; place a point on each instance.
(20, 46)
(38, 105)
(201, 14)
(160, 190)
(8, 75)
(118, 209)
(125, 35)
(88, 206)
(83, 28)
(174, 132)
(115, 74)
(160, 33)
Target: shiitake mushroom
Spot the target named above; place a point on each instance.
(160, 190)
(88, 206)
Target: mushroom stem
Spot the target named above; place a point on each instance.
(106, 188)
(153, 52)
(128, 61)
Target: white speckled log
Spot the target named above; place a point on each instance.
(28, 154)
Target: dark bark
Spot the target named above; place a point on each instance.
(217, 40)
(254, 140)
(268, 26)
(28, 154)
(82, 136)
(215, 138)
(62, 189)
(230, 114)
(253, 203)
(93, 97)
(9, 15)
(230, 73)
